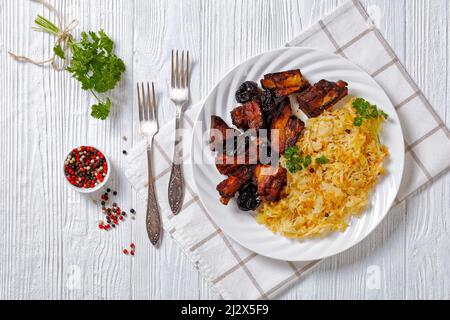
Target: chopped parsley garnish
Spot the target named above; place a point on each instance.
(322, 160)
(307, 161)
(294, 162)
(366, 111)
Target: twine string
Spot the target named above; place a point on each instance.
(62, 39)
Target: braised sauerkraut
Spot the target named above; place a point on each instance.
(322, 198)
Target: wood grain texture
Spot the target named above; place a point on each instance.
(50, 245)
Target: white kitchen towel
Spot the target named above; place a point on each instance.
(238, 273)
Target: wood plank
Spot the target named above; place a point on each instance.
(51, 247)
(427, 275)
(165, 273)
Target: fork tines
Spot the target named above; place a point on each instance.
(180, 74)
(146, 102)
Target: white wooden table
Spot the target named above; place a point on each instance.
(50, 245)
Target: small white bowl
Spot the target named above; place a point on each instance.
(97, 187)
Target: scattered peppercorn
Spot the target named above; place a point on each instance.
(348, 131)
(131, 250)
(125, 152)
(115, 193)
(132, 211)
(108, 190)
(113, 214)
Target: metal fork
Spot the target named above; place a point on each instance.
(149, 127)
(179, 94)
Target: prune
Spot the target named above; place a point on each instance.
(248, 199)
(268, 101)
(248, 91)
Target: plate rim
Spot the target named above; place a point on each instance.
(260, 55)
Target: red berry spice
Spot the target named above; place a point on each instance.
(131, 251)
(85, 167)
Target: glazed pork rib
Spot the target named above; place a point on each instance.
(249, 116)
(285, 83)
(285, 129)
(321, 96)
(248, 154)
(270, 182)
(229, 187)
(220, 132)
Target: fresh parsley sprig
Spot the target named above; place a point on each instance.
(93, 63)
(366, 111)
(322, 160)
(294, 162)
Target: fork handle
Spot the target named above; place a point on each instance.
(176, 182)
(153, 219)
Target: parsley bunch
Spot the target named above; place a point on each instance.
(366, 111)
(93, 63)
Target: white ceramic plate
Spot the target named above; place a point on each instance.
(242, 227)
